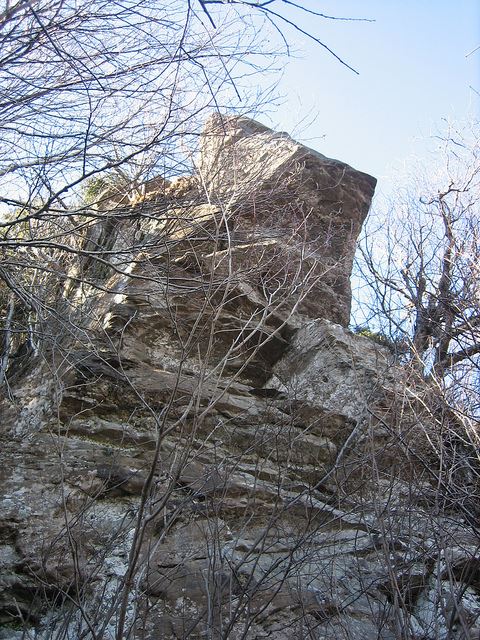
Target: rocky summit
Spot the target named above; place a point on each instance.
(198, 447)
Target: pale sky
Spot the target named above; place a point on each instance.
(415, 71)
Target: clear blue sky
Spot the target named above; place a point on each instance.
(414, 71)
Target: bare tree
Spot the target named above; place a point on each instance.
(418, 266)
(419, 294)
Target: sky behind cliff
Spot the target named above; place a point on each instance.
(417, 66)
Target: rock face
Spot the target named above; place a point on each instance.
(212, 454)
(293, 197)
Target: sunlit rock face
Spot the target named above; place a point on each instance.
(303, 202)
(213, 454)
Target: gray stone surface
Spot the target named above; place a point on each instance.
(285, 196)
(212, 461)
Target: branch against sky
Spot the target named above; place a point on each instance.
(419, 271)
(91, 87)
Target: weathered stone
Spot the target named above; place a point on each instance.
(330, 372)
(445, 611)
(283, 195)
(190, 464)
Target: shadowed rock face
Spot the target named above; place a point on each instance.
(217, 458)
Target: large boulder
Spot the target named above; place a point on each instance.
(333, 372)
(299, 206)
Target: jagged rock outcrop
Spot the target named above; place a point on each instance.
(211, 454)
(283, 193)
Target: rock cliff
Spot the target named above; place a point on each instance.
(202, 449)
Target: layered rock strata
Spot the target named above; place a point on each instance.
(213, 454)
